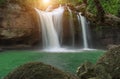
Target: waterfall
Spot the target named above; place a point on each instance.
(85, 30)
(57, 20)
(51, 27)
(71, 26)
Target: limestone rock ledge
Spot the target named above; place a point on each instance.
(18, 25)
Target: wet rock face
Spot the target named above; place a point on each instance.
(106, 35)
(1, 19)
(38, 70)
(18, 25)
(111, 62)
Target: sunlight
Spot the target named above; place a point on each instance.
(46, 1)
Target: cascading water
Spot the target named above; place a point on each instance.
(57, 20)
(51, 27)
(85, 30)
(71, 26)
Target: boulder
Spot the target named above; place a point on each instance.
(111, 61)
(86, 70)
(38, 70)
(107, 67)
(91, 71)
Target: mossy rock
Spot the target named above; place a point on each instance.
(90, 71)
(38, 70)
(86, 70)
(111, 61)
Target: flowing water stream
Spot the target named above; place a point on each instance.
(52, 29)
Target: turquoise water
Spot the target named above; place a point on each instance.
(65, 61)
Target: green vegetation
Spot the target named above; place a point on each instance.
(110, 6)
(2, 2)
(65, 61)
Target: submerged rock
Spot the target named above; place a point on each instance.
(38, 70)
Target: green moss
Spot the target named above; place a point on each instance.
(38, 70)
(107, 67)
(90, 71)
(2, 2)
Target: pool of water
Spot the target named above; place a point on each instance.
(67, 61)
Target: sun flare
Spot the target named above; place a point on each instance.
(46, 1)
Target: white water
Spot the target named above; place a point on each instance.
(51, 23)
(71, 26)
(57, 20)
(83, 21)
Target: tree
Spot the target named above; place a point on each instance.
(100, 10)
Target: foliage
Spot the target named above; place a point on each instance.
(110, 6)
(2, 2)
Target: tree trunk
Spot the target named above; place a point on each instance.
(85, 2)
(100, 10)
